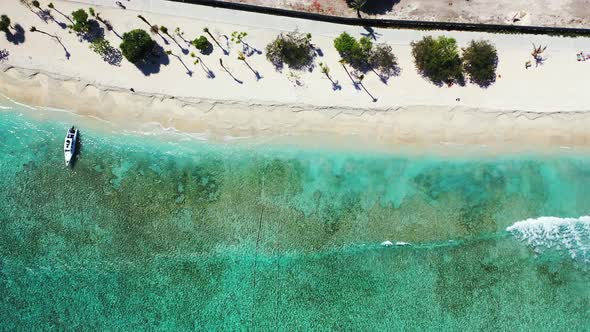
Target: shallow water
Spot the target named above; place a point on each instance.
(174, 234)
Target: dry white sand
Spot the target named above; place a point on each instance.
(539, 107)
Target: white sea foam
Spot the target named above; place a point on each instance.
(568, 235)
(19, 104)
(397, 243)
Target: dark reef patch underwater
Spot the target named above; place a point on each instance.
(146, 233)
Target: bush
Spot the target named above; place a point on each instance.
(481, 60)
(202, 44)
(108, 53)
(293, 49)
(101, 46)
(81, 23)
(4, 23)
(137, 45)
(383, 60)
(355, 53)
(438, 59)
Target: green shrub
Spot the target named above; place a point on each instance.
(383, 60)
(137, 45)
(480, 59)
(81, 23)
(293, 49)
(201, 43)
(438, 59)
(4, 23)
(101, 46)
(355, 53)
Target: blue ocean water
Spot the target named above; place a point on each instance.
(162, 233)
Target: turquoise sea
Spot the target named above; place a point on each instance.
(155, 233)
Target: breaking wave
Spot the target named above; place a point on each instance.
(570, 236)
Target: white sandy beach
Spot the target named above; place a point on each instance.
(545, 106)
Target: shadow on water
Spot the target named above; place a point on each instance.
(18, 36)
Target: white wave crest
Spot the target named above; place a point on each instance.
(570, 235)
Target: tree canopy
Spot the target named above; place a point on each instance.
(201, 43)
(293, 48)
(354, 52)
(4, 23)
(81, 23)
(438, 59)
(137, 45)
(383, 59)
(480, 60)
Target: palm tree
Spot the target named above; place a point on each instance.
(537, 51)
(206, 69)
(34, 29)
(229, 73)
(238, 38)
(358, 5)
(354, 82)
(143, 19)
(242, 57)
(188, 71)
(164, 30)
(153, 28)
(360, 82)
(51, 6)
(26, 3)
(206, 30)
(43, 15)
(326, 71)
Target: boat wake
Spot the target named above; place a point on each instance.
(569, 236)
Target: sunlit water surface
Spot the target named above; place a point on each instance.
(149, 233)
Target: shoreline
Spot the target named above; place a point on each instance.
(407, 129)
(538, 109)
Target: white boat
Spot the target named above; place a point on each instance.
(70, 145)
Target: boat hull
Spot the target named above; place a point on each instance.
(70, 146)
